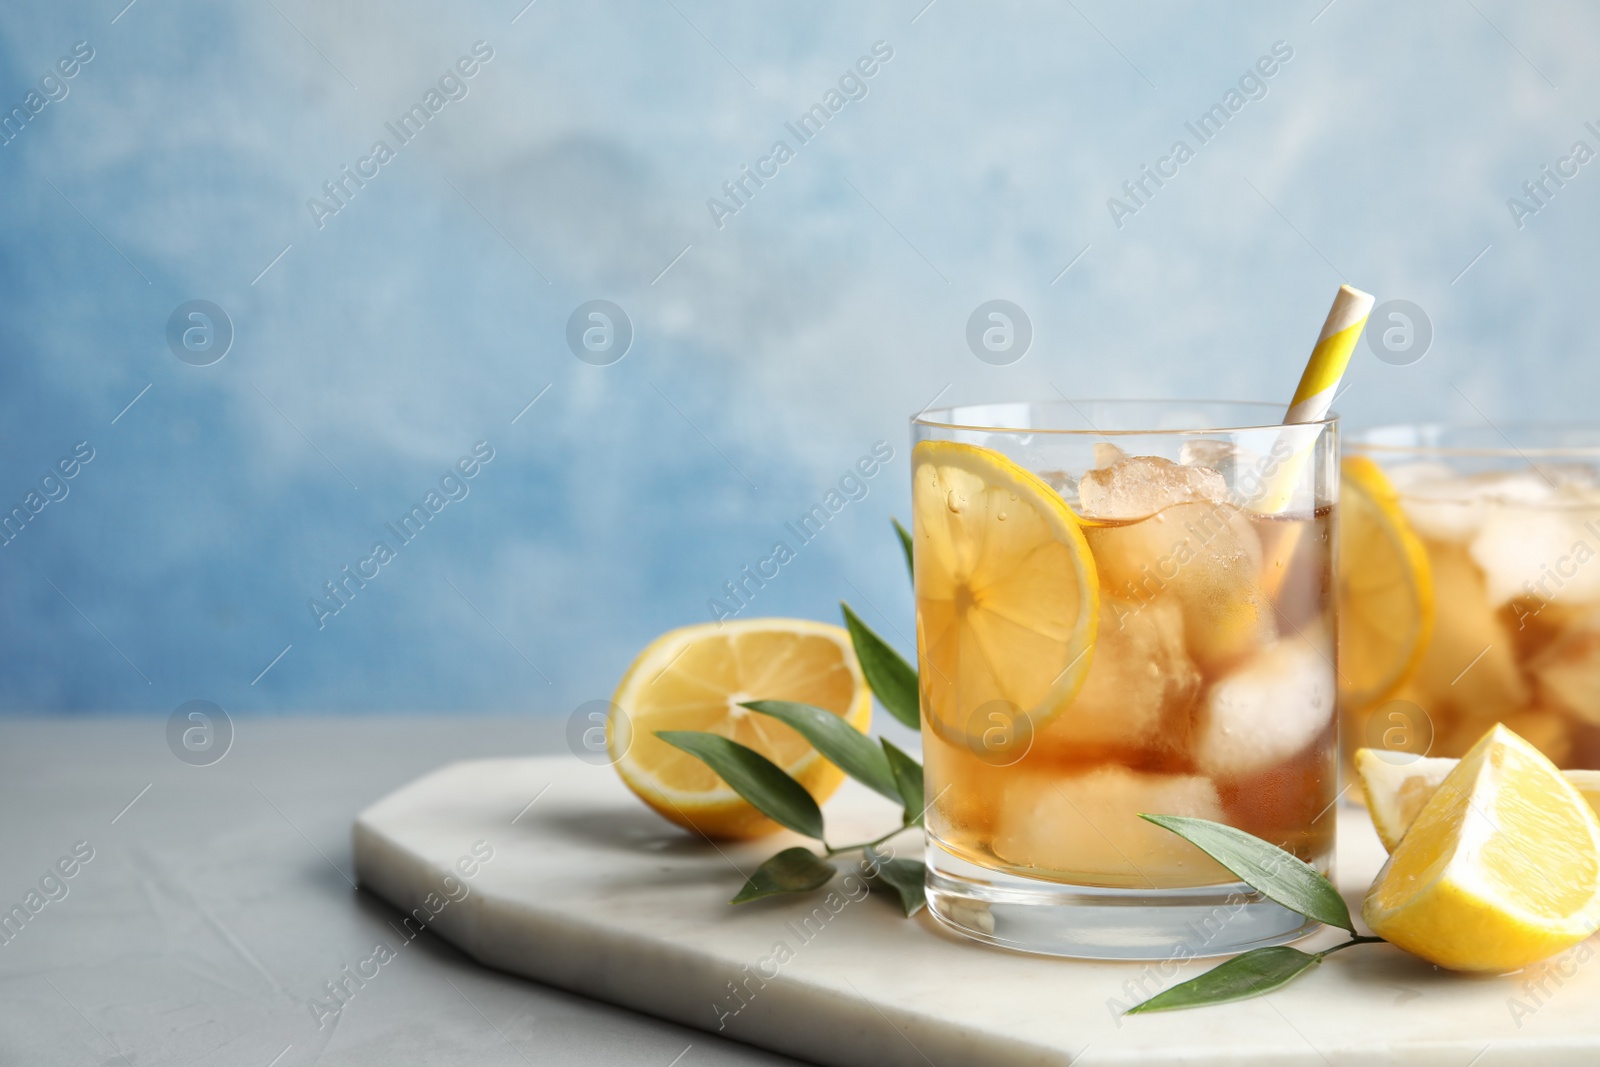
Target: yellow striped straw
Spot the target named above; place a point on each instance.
(1340, 332)
(1314, 396)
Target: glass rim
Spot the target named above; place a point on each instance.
(948, 418)
(1362, 440)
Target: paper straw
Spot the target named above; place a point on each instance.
(1328, 360)
(1314, 396)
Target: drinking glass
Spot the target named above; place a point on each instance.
(1470, 583)
(1123, 608)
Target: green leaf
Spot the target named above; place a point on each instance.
(905, 543)
(889, 675)
(1250, 975)
(908, 779)
(754, 777)
(903, 878)
(842, 744)
(794, 870)
(1271, 871)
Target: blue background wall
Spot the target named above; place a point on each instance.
(770, 352)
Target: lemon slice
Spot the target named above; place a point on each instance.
(1008, 600)
(695, 678)
(1501, 867)
(1397, 792)
(1385, 588)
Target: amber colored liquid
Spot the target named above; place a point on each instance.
(1531, 661)
(1210, 694)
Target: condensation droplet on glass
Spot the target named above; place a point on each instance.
(953, 501)
(1000, 516)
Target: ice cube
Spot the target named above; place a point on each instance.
(1138, 486)
(1141, 684)
(1106, 454)
(1271, 708)
(1469, 665)
(1231, 460)
(1203, 452)
(1548, 552)
(1567, 672)
(1208, 558)
(1061, 482)
(1525, 485)
(1444, 505)
(1428, 478)
(1440, 504)
(1086, 828)
(1514, 487)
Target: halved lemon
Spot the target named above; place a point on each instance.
(1396, 792)
(1008, 599)
(1501, 867)
(695, 678)
(1385, 588)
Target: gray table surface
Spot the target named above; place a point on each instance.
(218, 902)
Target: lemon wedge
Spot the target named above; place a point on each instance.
(1396, 791)
(1500, 868)
(695, 678)
(1008, 599)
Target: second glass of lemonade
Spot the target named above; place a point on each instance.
(1469, 578)
(1123, 608)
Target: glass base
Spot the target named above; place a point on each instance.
(1093, 922)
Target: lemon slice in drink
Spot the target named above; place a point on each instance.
(1008, 599)
(1396, 792)
(1501, 867)
(1385, 588)
(695, 678)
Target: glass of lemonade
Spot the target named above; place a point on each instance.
(1469, 582)
(1123, 608)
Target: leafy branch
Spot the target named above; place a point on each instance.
(879, 765)
(1280, 877)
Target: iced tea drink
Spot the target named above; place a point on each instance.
(1470, 590)
(1109, 624)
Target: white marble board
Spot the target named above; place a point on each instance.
(590, 891)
